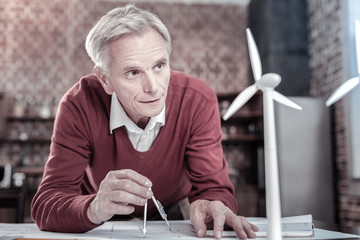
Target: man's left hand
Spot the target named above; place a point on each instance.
(203, 212)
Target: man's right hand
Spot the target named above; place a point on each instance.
(118, 192)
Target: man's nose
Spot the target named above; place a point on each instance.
(150, 83)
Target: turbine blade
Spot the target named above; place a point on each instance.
(254, 55)
(285, 101)
(240, 100)
(357, 44)
(342, 90)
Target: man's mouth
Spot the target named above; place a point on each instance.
(151, 101)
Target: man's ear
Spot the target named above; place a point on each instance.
(103, 79)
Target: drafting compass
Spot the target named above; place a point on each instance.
(160, 209)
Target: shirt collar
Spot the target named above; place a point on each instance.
(119, 118)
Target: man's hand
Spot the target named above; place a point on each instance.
(117, 194)
(202, 212)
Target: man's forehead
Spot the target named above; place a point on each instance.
(137, 49)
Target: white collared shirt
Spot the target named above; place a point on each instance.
(141, 139)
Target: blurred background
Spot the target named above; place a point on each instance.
(309, 43)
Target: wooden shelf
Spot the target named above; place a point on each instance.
(31, 171)
(27, 141)
(243, 117)
(244, 138)
(29, 118)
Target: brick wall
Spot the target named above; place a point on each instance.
(326, 70)
(42, 53)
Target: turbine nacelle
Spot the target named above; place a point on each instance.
(268, 80)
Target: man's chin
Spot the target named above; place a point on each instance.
(153, 112)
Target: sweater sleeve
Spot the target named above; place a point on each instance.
(207, 167)
(59, 204)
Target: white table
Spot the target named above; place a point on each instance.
(131, 230)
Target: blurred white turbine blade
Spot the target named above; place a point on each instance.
(357, 44)
(342, 90)
(254, 55)
(285, 101)
(240, 100)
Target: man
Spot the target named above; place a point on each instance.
(131, 126)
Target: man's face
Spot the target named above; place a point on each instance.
(139, 74)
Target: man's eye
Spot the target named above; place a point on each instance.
(159, 66)
(132, 73)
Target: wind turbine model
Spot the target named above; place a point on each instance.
(347, 86)
(266, 83)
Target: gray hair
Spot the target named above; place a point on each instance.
(119, 22)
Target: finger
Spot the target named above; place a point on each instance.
(132, 187)
(198, 221)
(134, 176)
(219, 222)
(121, 209)
(235, 222)
(254, 228)
(248, 228)
(100, 211)
(125, 198)
(241, 226)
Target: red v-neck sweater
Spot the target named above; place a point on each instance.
(185, 160)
